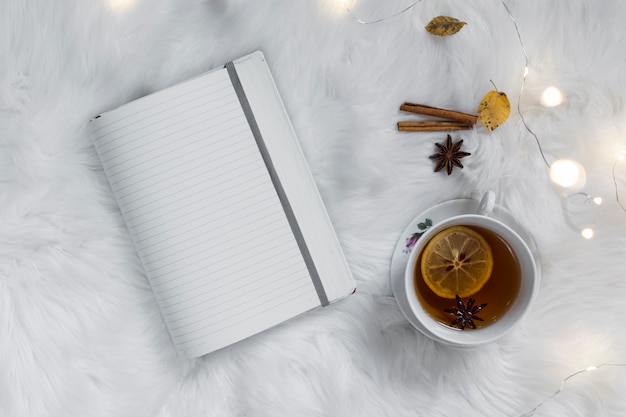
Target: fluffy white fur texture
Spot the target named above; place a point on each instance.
(80, 332)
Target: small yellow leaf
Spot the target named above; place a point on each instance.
(494, 109)
(444, 26)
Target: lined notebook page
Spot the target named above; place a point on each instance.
(202, 211)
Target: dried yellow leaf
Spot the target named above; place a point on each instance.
(444, 26)
(494, 109)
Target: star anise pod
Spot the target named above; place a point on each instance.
(449, 155)
(465, 314)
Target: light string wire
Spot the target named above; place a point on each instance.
(564, 380)
(522, 88)
(371, 22)
(521, 92)
(519, 35)
(616, 187)
(590, 368)
(588, 198)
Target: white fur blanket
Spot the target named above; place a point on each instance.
(80, 332)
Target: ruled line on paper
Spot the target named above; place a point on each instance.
(253, 299)
(226, 307)
(212, 211)
(216, 243)
(225, 125)
(186, 142)
(134, 139)
(284, 274)
(182, 93)
(199, 173)
(206, 204)
(199, 143)
(219, 162)
(203, 267)
(153, 110)
(216, 137)
(191, 342)
(203, 181)
(143, 214)
(218, 291)
(254, 310)
(250, 169)
(178, 229)
(180, 244)
(252, 191)
(221, 270)
(166, 177)
(163, 132)
(246, 156)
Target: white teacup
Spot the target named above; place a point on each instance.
(407, 298)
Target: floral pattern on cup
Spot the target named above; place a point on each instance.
(412, 240)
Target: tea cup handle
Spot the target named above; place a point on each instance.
(486, 203)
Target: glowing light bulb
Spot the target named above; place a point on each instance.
(591, 368)
(525, 72)
(620, 156)
(587, 234)
(568, 173)
(597, 201)
(551, 97)
(339, 8)
(121, 6)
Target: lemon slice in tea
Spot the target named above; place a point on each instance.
(456, 261)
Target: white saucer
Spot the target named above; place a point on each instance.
(436, 214)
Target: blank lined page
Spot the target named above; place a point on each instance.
(205, 218)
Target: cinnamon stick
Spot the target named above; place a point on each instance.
(432, 126)
(468, 119)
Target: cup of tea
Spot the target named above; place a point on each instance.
(469, 279)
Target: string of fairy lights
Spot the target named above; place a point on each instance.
(564, 380)
(568, 174)
(565, 173)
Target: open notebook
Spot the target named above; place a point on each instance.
(222, 209)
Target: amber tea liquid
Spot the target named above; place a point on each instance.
(499, 292)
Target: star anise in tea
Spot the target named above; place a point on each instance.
(449, 155)
(465, 314)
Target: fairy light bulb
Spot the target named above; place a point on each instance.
(551, 97)
(568, 173)
(121, 6)
(597, 201)
(338, 7)
(587, 233)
